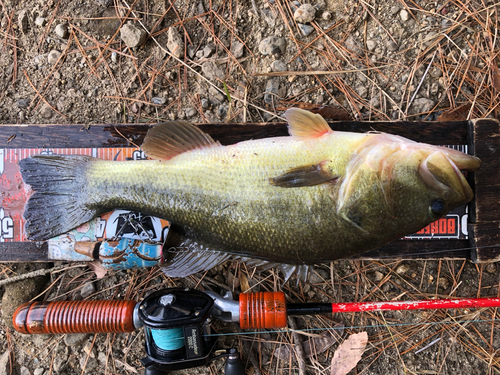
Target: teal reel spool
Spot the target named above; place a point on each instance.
(168, 339)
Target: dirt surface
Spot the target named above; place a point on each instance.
(246, 61)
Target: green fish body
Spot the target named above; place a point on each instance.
(315, 196)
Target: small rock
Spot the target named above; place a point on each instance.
(191, 50)
(272, 88)
(305, 29)
(272, 46)
(394, 10)
(377, 276)
(22, 21)
(404, 15)
(305, 13)
(443, 282)
(102, 358)
(208, 50)
(87, 290)
(201, 10)
(270, 18)
(40, 21)
(75, 339)
(191, 112)
(278, 66)
(205, 104)
(422, 105)
(53, 56)
(403, 268)
(39, 61)
(38, 371)
(375, 102)
(25, 371)
(105, 3)
(211, 70)
(175, 43)
(158, 100)
(216, 97)
(62, 30)
(5, 363)
(353, 45)
(88, 364)
(114, 57)
(436, 72)
(46, 111)
(21, 116)
(23, 103)
(429, 38)
(317, 277)
(237, 49)
(222, 111)
(326, 16)
(491, 268)
(391, 46)
(132, 36)
(59, 363)
(361, 90)
(370, 44)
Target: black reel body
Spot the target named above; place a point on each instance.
(177, 328)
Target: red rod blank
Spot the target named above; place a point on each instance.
(470, 303)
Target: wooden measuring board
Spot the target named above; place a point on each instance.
(467, 233)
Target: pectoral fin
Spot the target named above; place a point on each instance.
(305, 175)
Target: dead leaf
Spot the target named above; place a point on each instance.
(495, 76)
(313, 346)
(98, 269)
(349, 353)
(332, 113)
(456, 114)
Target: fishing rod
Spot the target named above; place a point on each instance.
(177, 322)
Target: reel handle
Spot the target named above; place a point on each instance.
(75, 317)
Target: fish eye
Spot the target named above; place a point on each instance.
(437, 208)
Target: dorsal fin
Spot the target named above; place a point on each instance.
(170, 139)
(304, 124)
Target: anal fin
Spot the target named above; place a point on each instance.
(189, 256)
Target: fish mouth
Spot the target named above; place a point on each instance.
(441, 170)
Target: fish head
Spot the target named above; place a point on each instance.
(411, 184)
(425, 182)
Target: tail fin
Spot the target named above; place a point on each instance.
(59, 200)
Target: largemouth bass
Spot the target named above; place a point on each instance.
(315, 196)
